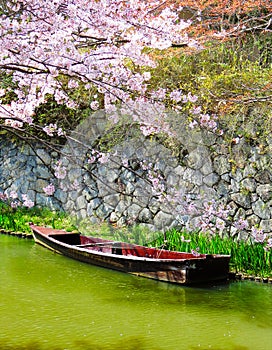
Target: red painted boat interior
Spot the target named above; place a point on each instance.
(121, 248)
(113, 247)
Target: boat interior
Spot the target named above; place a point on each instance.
(120, 248)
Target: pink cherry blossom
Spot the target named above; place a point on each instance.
(90, 43)
(16, 124)
(268, 245)
(241, 224)
(94, 105)
(14, 204)
(176, 95)
(60, 171)
(53, 129)
(258, 235)
(49, 190)
(3, 196)
(13, 194)
(27, 202)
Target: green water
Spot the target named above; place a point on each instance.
(48, 301)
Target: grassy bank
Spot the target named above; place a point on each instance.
(18, 219)
(246, 257)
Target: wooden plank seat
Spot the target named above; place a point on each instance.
(103, 244)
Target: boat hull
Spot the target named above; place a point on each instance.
(136, 259)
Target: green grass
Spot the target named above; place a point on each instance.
(18, 220)
(246, 257)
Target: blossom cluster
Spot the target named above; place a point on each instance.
(97, 156)
(60, 170)
(12, 198)
(49, 190)
(155, 179)
(90, 42)
(52, 129)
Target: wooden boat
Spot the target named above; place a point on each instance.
(159, 264)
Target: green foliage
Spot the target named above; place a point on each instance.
(117, 134)
(246, 257)
(7, 83)
(232, 79)
(66, 118)
(18, 220)
(135, 234)
(52, 112)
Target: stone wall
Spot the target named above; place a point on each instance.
(199, 165)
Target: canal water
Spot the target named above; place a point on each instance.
(48, 301)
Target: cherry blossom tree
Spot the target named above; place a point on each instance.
(49, 49)
(98, 43)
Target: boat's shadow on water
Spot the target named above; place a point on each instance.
(125, 344)
(113, 278)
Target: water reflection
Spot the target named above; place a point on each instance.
(49, 301)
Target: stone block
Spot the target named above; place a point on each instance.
(262, 209)
(145, 216)
(249, 184)
(243, 200)
(265, 192)
(221, 165)
(95, 203)
(61, 196)
(43, 157)
(211, 179)
(133, 211)
(41, 171)
(207, 167)
(40, 184)
(266, 225)
(162, 221)
(81, 202)
(103, 211)
(112, 199)
(197, 158)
